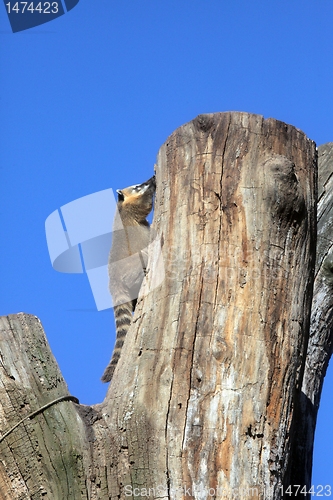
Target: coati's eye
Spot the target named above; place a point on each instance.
(120, 195)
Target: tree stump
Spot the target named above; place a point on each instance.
(206, 398)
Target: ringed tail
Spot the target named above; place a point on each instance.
(123, 317)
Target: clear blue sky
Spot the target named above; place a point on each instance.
(88, 99)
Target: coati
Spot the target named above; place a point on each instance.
(128, 258)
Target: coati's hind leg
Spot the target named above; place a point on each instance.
(123, 317)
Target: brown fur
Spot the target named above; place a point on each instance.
(128, 258)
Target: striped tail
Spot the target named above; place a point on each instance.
(123, 317)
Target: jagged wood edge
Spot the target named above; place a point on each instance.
(320, 346)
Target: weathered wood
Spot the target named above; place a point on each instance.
(210, 374)
(42, 457)
(207, 388)
(320, 345)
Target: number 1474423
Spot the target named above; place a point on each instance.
(40, 7)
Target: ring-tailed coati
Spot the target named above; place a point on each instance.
(128, 258)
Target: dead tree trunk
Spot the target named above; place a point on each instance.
(320, 345)
(206, 397)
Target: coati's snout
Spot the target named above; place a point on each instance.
(137, 190)
(151, 183)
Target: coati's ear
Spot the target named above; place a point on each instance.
(120, 195)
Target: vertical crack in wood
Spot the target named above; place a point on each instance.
(166, 436)
(221, 211)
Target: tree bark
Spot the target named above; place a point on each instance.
(320, 345)
(207, 395)
(42, 456)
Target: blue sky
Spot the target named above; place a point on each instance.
(88, 99)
